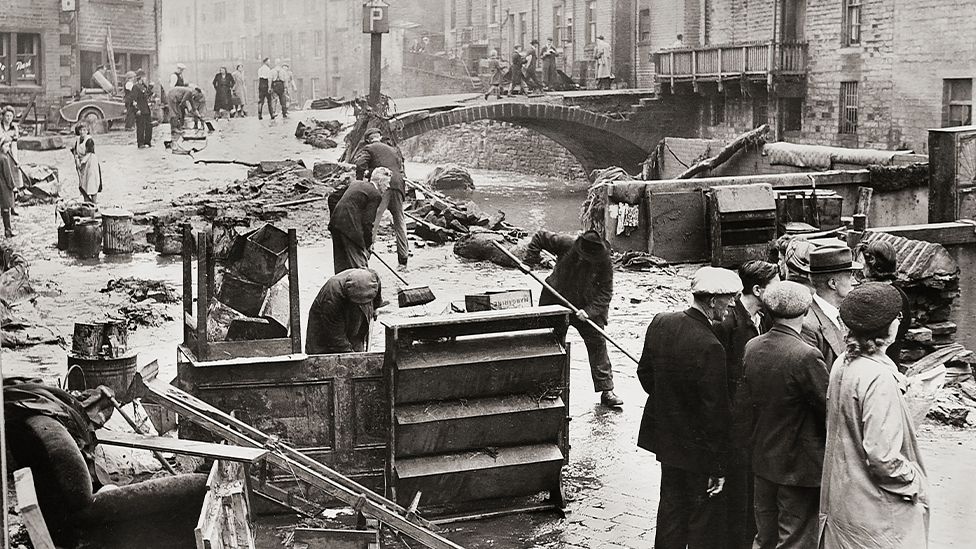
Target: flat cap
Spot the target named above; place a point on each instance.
(870, 308)
(180, 66)
(787, 299)
(715, 281)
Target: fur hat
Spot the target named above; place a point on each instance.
(787, 299)
(715, 281)
(870, 308)
(361, 285)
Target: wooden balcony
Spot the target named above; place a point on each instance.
(753, 61)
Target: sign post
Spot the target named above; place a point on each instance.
(375, 22)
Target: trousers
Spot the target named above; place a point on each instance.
(741, 507)
(143, 129)
(596, 350)
(786, 516)
(393, 201)
(278, 88)
(346, 254)
(686, 516)
(264, 95)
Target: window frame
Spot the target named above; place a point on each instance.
(644, 25)
(789, 115)
(716, 110)
(948, 85)
(848, 125)
(558, 21)
(589, 9)
(11, 60)
(851, 25)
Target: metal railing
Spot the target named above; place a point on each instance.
(732, 60)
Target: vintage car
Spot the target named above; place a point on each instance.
(92, 106)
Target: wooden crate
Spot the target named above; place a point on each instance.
(499, 299)
(742, 221)
(479, 409)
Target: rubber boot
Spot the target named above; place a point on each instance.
(7, 232)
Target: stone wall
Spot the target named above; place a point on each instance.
(494, 145)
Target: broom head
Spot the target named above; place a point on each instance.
(411, 296)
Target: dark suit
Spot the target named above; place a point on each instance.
(780, 417)
(140, 95)
(822, 333)
(351, 225)
(686, 424)
(735, 331)
(376, 155)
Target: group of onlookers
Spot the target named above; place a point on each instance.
(776, 413)
(523, 69)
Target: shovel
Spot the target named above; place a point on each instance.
(408, 296)
(525, 269)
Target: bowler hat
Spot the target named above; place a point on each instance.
(832, 259)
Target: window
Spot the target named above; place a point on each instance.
(315, 88)
(4, 59)
(302, 41)
(557, 25)
(848, 107)
(493, 11)
(852, 23)
(523, 29)
(220, 12)
(792, 108)
(468, 16)
(189, 16)
(644, 25)
(286, 44)
(570, 30)
(760, 115)
(249, 12)
(319, 44)
(591, 21)
(454, 14)
(717, 114)
(20, 58)
(270, 46)
(958, 101)
(229, 50)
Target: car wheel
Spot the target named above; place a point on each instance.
(90, 116)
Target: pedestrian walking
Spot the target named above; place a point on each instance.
(584, 276)
(351, 218)
(832, 276)
(130, 111)
(601, 55)
(184, 101)
(531, 66)
(339, 319)
(87, 165)
(239, 93)
(278, 76)
(223, 83)
(780, 415)
(746, 320)
(686, 421)
(874, 491)
(495, 68)
(515, 72)
(289, 79)
(550, 77)
(264, 88)
(141, 94)
(377, 154)
(881, 265)
(10, 178)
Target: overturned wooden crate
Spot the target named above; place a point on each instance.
(479, 411)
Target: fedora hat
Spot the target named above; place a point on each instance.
(832, 259)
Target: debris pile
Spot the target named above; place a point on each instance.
(450, 177)
(319, 133)
(438, 218)
(144, 297)
(593, 210)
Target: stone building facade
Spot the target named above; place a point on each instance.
(472, 28)
(865, 73)
(50, 48)
(322, 41)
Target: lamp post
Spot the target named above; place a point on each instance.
(375, 22)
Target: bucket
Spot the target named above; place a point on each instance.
(243, 296)
(87, 238)
(265, 256)
(94, 339)
(114, 373)
(64, 237)
(117, 231)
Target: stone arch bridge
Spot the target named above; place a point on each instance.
(595, 139)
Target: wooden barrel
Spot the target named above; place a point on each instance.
(117, 231)
(87, 238)
(114, 373)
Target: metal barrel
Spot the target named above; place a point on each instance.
(87, 238)
(117, 231)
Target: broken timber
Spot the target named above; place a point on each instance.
(322, 477)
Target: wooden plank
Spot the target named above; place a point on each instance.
(294, 302)
(506, 320)
(325, 538)
(513, 316)
(203, 299)
(30, 511)
(946, 233)
(778, 181)
(181, 446)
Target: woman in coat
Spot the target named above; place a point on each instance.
(89, 171)
(495, 68)
(874, 492)
(10, 180)
(223, 83)
(239, 93)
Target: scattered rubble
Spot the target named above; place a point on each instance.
(140, 289)
(318, 133)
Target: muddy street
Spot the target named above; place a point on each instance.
(613, 486)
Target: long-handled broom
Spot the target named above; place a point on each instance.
(525, 269)
(408, 296)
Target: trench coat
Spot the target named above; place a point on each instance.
(601, 54)
(355, 212)
(874, 491)
(239, 93)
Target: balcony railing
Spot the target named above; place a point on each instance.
(756, 59)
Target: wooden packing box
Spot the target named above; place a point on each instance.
(498, 299)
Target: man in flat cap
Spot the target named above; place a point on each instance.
(338, 321)
(780, 419)
(832, 275)
(377, 154)
(583, 274)
(351, 215)
(687, 418)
